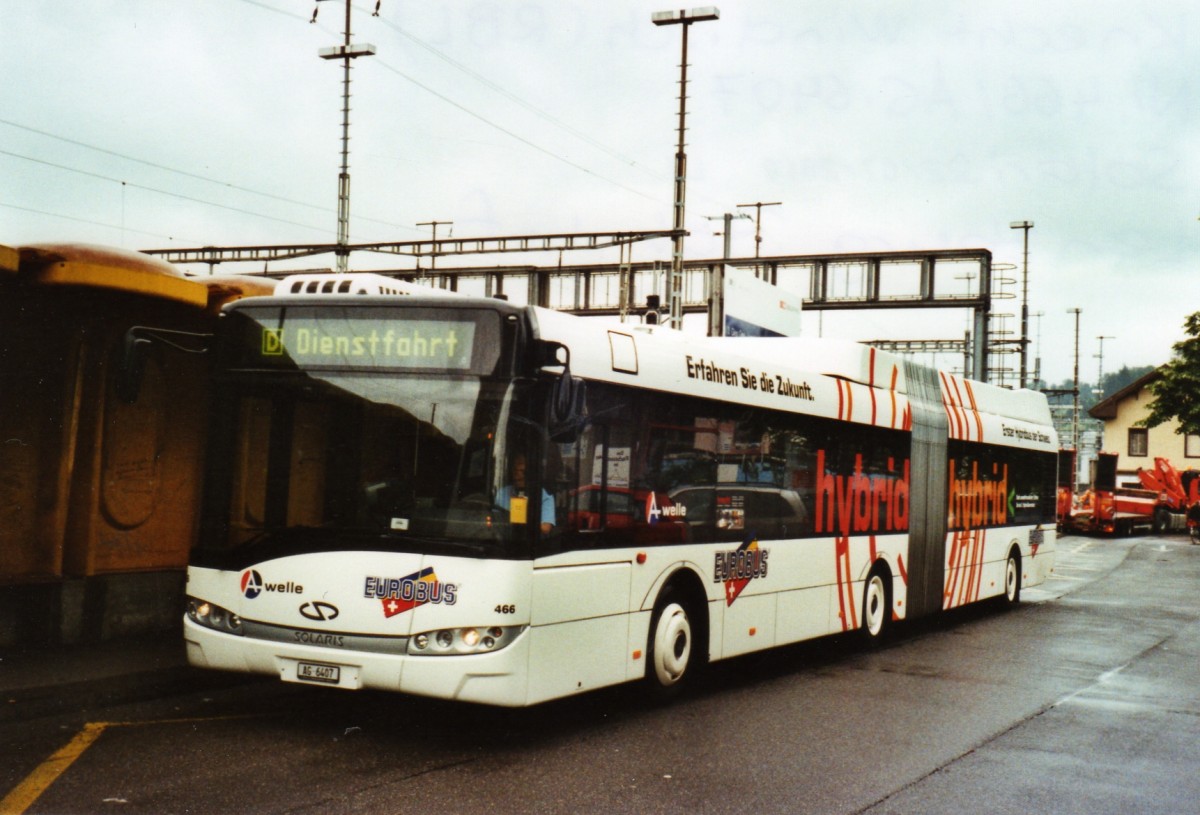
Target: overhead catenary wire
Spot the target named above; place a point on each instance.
(177, 171)
(532, 108)
(180, 196)
(495, 87)
(95, 223)
(491, 85)
(511, 134)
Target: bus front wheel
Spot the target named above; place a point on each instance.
(672, 648)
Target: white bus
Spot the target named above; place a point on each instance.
(468, 499)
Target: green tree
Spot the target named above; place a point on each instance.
(1177, 390)
(1117, 380)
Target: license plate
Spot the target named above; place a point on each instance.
(316, 672)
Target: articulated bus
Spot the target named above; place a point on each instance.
(464, 498)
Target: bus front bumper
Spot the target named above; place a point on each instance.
(495, 678)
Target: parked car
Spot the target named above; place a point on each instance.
(731, 511)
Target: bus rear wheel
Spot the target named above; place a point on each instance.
(672, 649)
(877, 606)
(1012, 579)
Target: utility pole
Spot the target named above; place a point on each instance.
(433, 248)
(728, 218)
(345, 52)
(1075, 402)
(1100, 370)
(758, 205)
(1037, 349)
(684, 18)
(716, 279)
(1026, 226)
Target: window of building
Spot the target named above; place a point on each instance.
(1191, 445)
(1139, 442)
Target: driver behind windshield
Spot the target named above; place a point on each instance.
(512, 497)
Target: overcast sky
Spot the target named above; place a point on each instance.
(880, 126)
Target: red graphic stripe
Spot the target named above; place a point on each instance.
(967, 406)
(964, 577)
(962, 410)
(981, 545)
(846, 605)
(892, 392)
(974, 407)
(871, 383)
(951, 417)
(964, 432)
(841, 579)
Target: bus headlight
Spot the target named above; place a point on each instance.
(458, 641)
(213, 616)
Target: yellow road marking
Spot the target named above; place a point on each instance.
(23, 796)
(29, 790)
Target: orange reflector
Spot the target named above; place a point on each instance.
(637, 654)
(641, 558)
(753, 631)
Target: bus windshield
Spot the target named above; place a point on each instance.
(320, 461)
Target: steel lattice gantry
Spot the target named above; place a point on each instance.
(432, 248)
(836, 282)
(827, 282)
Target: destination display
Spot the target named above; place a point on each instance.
(372, 343)
(358, 338)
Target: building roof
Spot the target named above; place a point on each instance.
(1107, 408)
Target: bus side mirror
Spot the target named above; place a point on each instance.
(131, 366)
(552, 354)
(135, 348)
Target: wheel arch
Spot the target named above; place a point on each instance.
(682, 572)
(892, 571)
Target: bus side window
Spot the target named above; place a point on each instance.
(596, 496)
(674, 469)
(592, 484)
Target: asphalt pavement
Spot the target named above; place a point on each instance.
(40, 680)
(37, 681)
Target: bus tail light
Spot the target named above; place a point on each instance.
(457, 641)
(213, 616)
